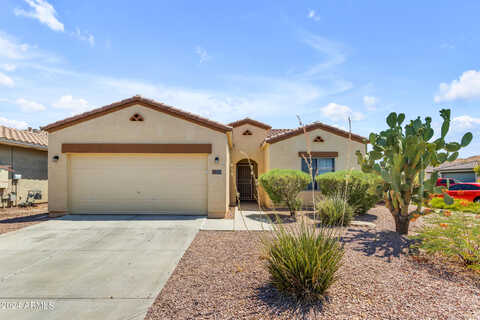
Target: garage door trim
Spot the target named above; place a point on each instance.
(135, 148)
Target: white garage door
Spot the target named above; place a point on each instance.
(138, 183)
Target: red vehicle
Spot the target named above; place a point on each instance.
(442, 182)
(467, 191)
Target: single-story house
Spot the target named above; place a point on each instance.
(460, 169)
(23, 165)
(139, 155)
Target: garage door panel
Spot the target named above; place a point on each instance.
(163, 183)
(460, 176)
(136, 206)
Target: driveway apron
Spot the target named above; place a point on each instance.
(90, 266)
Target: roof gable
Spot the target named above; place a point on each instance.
(314, 126)
(250, 121)
(136, 100)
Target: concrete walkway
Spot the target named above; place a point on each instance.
(250, 219)
(90, 267)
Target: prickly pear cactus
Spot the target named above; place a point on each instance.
(400, 154)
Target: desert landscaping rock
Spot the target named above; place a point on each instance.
(221, 276)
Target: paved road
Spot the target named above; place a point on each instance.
(90, 266)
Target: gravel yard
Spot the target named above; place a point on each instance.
(221, 277)
(16, 218)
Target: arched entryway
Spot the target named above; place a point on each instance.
(245, 181)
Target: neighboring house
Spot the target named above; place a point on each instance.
(139, 155)
(23, 164)
(460, 169)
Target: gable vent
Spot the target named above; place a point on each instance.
(136, 117)
(247, 133)
(318, 139)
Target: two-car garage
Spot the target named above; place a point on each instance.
(143, 183)
(138, 156)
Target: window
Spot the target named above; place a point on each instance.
(456, 187)
(470, 187)
(319, 166)
(464, 186)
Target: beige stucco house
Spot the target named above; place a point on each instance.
(139, 155)
(23, 165)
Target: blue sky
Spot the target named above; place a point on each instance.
(269, 60)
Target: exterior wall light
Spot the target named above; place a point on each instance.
(55, 158)
(217, 160)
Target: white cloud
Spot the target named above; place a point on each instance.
(275, 96)
(332, 52)
(8, 67)
(84, 36)
(337, 112)
(465, 122)
(67, 102)
(6, 80)
(43, 12)
(13, 123)
(11, 49)
(466, 87)
(202, 53)
(313, 15)
(29, 106)
(370, 102)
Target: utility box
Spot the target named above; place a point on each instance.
(3, 178)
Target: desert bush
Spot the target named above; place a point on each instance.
(333, 211)
(361, 192)
(461, 205)
(283, 187)
(302, 260)
(452, 235)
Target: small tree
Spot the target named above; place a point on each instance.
(401, 155)
(283, 187)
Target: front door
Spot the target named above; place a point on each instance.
(245, 181)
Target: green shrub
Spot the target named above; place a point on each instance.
(333, 211)
(283, 187)
(452, 235)
(458, 205)
(302, 261)
(362, 192)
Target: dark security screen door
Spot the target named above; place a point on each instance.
(245, 182)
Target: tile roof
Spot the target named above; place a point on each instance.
(282, 134)
(275, 132)
(155, 105)
(457, 165)
(24, 137)
(250, 121)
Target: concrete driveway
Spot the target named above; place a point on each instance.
(90, 266)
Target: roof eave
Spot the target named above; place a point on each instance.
(251, 122)
(15, 143)
(58, 125)
(315, 126)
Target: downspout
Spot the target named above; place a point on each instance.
(229, 138)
